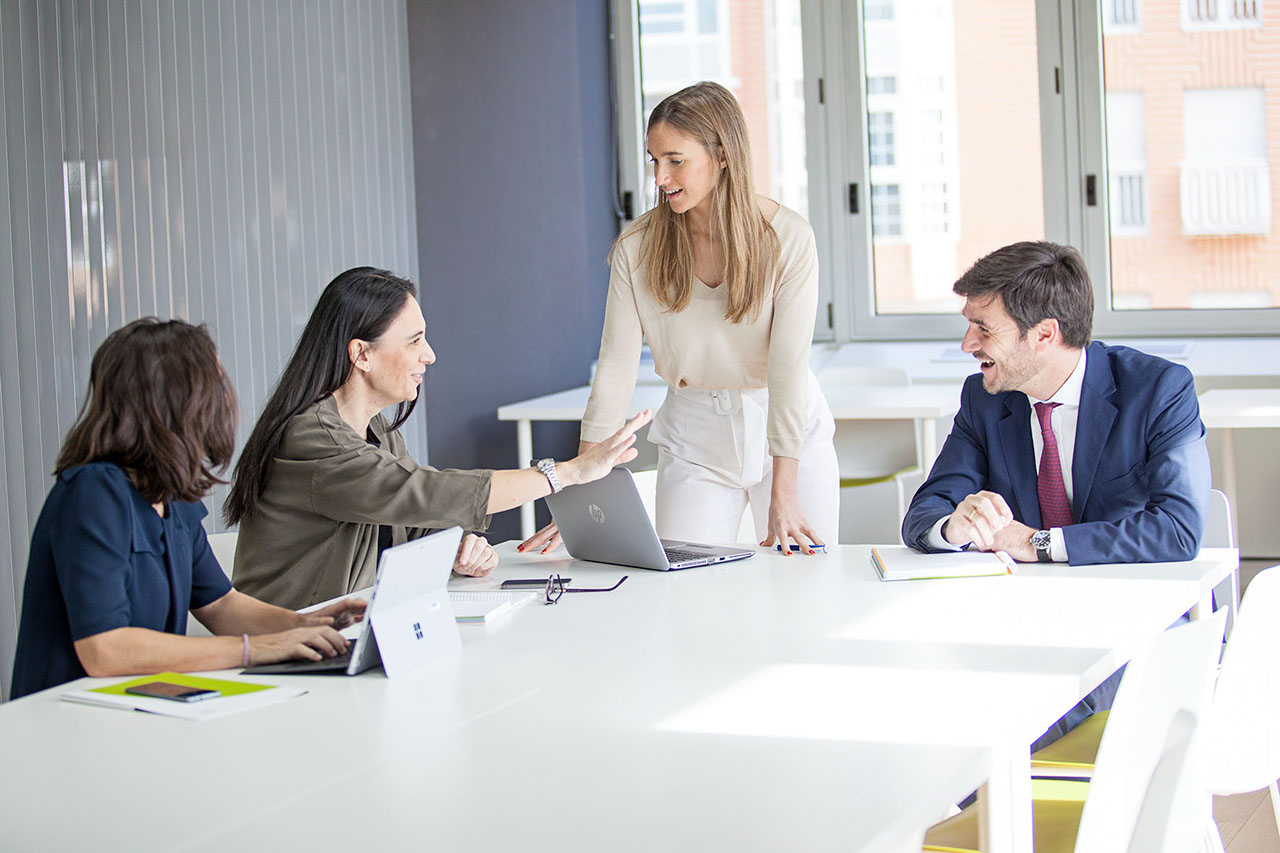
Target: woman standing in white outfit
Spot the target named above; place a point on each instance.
(724, 286)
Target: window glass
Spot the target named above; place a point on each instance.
(956, 171)
(754, 49)
(1189, 184)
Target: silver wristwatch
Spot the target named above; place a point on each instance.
(1040, 540)
(548, 468)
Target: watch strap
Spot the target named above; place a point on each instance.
(548, 468)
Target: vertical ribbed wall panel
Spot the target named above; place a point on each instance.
(216, 160)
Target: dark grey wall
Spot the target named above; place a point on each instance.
(218, 162)
(515, 215)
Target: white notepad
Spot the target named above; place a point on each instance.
(900, 563)
(483, 606)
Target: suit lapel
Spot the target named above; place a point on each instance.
(1097, 415)
(1020, 457)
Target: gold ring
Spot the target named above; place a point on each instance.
(971, 514)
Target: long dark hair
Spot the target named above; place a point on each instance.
(359, 304)
(160, 407)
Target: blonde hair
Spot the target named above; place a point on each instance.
(709, 113)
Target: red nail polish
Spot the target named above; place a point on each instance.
(519, 547)
(811, 551)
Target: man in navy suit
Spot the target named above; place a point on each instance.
(1063, 450)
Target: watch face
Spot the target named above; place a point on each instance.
(1040, 540)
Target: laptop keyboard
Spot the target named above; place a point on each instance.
(677, 555)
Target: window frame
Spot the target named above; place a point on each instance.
(1069, 35)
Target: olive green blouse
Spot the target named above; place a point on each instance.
(315, 533)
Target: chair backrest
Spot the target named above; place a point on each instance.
(1242, 744)
(1170, 816)
(223, 546)
(1218, 532)
(857, 375)
(1144, 781)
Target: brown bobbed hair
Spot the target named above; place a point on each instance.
(1037, 280)
(709, 113)
(160, 407)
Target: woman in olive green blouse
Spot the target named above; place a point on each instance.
(325, 482)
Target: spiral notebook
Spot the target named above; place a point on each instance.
(484, 606)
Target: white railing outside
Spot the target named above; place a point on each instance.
(1226, 198)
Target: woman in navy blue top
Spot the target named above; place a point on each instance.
(119, 555)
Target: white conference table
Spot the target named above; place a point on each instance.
(1230, 409)
(924, 404)
(772, 703)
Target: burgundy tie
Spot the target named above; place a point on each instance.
(1055, 509)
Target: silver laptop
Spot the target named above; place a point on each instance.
(409, 620)
(606, 522)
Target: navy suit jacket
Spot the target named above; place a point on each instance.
(1140, 469)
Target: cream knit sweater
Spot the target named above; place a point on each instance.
(699, 348)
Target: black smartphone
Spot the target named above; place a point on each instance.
(528, 583)
(176, 692)
(821, 549)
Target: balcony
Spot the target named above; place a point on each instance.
(1226, 198)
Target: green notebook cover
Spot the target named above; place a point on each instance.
(226, 688)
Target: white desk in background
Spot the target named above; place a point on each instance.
(772, 703)
(924, 404)
(1230, 409)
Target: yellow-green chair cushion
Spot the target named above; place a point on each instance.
(1076, 750)
(850, 482)
(1056, 808)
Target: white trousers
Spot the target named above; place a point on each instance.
(713, 461)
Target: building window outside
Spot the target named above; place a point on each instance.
(880, 138)
(1127, 162)
(1190, 197)
(882, 84)
(879, 10)
(1120, 17)
(1221, 14)
(934, 209)
(886, 210)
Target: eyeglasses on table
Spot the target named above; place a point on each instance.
(556, 588)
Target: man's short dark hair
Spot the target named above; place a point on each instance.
(1037, 280)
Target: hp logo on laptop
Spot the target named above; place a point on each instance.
(417, 630)
(596, 513)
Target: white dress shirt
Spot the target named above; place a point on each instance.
(1063, 420)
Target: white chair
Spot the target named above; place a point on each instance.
(1219, 533)
(1243, 746)
(1148, 792)
(874, 457)
(223, 546)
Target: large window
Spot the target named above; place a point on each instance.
(922, 134)
(1189, 177)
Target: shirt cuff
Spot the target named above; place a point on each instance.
(1057, 545)
(934, 537)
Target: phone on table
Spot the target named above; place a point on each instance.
(176, 692)
(528, 583)
(821, 549)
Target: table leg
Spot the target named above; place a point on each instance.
(928, 444)
(524, 453)
(1229, 484)
(1004, 804)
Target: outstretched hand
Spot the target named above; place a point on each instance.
(602, 457)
